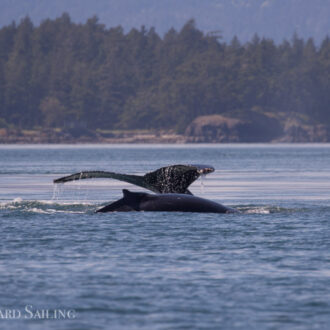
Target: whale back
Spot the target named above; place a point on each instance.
(180, 203)
(140, 201)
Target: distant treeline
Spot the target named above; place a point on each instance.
(61, 73)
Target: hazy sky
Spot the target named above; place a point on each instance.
(277, 19)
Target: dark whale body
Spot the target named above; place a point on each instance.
(141, 201)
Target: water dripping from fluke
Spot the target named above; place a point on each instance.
(203, 176)
(57, 191)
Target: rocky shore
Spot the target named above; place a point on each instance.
(11, 136)
(255, 127)
(252, 128)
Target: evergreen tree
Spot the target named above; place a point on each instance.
(17, 92)
(61, 73)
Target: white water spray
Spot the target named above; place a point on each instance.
(57, 190)
(203, 176)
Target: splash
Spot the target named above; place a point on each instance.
(46, 207)
(264, 209)
(76, 188)
(257, 210)
(79, 184)
(203, 177)
(57, 191)
(82, 193)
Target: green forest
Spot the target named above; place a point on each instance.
(60, 72)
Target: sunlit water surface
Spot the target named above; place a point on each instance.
(267, 267)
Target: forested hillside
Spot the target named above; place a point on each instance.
(61, 73)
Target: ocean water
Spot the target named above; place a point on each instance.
(64, 267)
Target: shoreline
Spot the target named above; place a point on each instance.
(57, 136)
(134, 137)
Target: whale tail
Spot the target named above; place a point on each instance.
(169, 179)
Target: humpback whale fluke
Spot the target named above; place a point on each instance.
(168, 179)
(140, 201)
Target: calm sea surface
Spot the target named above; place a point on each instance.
(267, 267)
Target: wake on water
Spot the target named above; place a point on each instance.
(82, 205)
(47, 207)
(79, 207)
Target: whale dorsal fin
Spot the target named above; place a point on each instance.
(133, 199)
(127, 193)
(133, 195)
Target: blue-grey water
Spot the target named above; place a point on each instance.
(267, 267)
